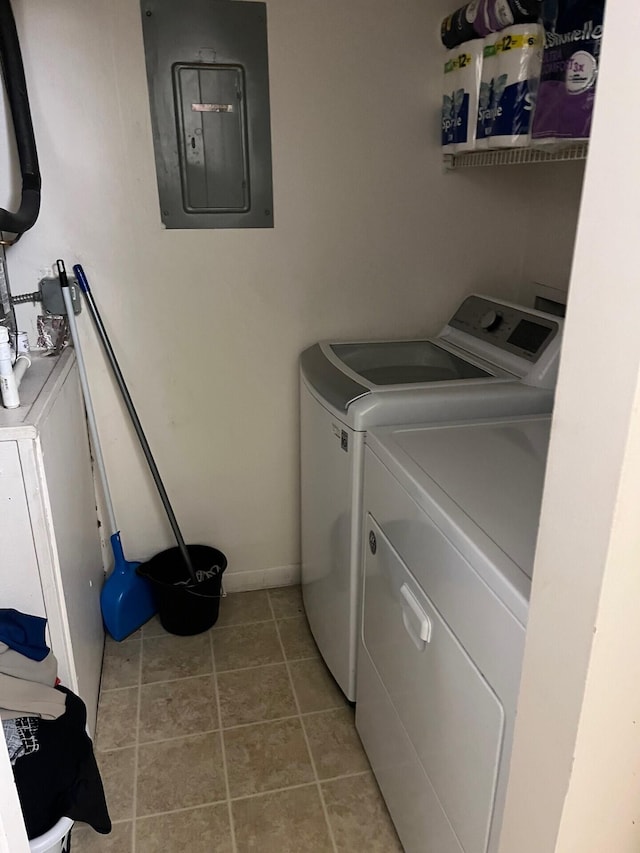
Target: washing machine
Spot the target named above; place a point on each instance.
(491, 359)
(450, 519)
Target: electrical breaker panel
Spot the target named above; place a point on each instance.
(208, 76)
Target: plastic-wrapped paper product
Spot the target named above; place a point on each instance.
(525, 11)
(569, 73)
(498, 15)
(519, 52)
(468, 74)
(460, 99)
(449, 104)
(491, 89)
(464, 24)
(53, 332)
(482, 17)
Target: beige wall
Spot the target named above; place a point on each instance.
(371, 238)
(552, 217)
(209, 324)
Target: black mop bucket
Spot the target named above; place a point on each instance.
(186, 608)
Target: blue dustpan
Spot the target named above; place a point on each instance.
(126, 599)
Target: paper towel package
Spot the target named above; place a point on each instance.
(468, 80)
(519, 59)
(491, 88)
(449, 104)
(569, 72)
(460, 99)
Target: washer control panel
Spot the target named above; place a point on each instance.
(516, 330)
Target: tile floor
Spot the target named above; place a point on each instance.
(231, 741)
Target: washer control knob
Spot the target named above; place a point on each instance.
(490, 321)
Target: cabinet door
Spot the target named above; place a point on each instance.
(452, 717)
(66, 461)
(19, 581)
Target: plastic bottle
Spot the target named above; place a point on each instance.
(8, 385)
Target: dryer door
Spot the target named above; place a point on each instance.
(449, 713)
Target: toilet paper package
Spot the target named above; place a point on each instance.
(569, 71)
(519, 60)
(479, 18)
(491, 88)
(499, 14)
(460, 27)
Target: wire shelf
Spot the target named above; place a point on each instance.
(515, 156)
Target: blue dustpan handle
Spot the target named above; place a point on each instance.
(118, 553)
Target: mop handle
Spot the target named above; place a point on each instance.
(106, 344)
(86, 393)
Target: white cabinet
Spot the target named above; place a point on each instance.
(50, 557)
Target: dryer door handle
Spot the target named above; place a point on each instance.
(416, 621)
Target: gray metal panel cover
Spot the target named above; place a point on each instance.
(212, 138)
(207, 69)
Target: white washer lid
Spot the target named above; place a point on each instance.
(492, 470)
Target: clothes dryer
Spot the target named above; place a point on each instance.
(450, 519)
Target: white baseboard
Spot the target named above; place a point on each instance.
(261, 578)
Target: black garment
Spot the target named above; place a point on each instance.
(21, 736)
(62, 777)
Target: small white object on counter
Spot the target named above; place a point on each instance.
(8, 384)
